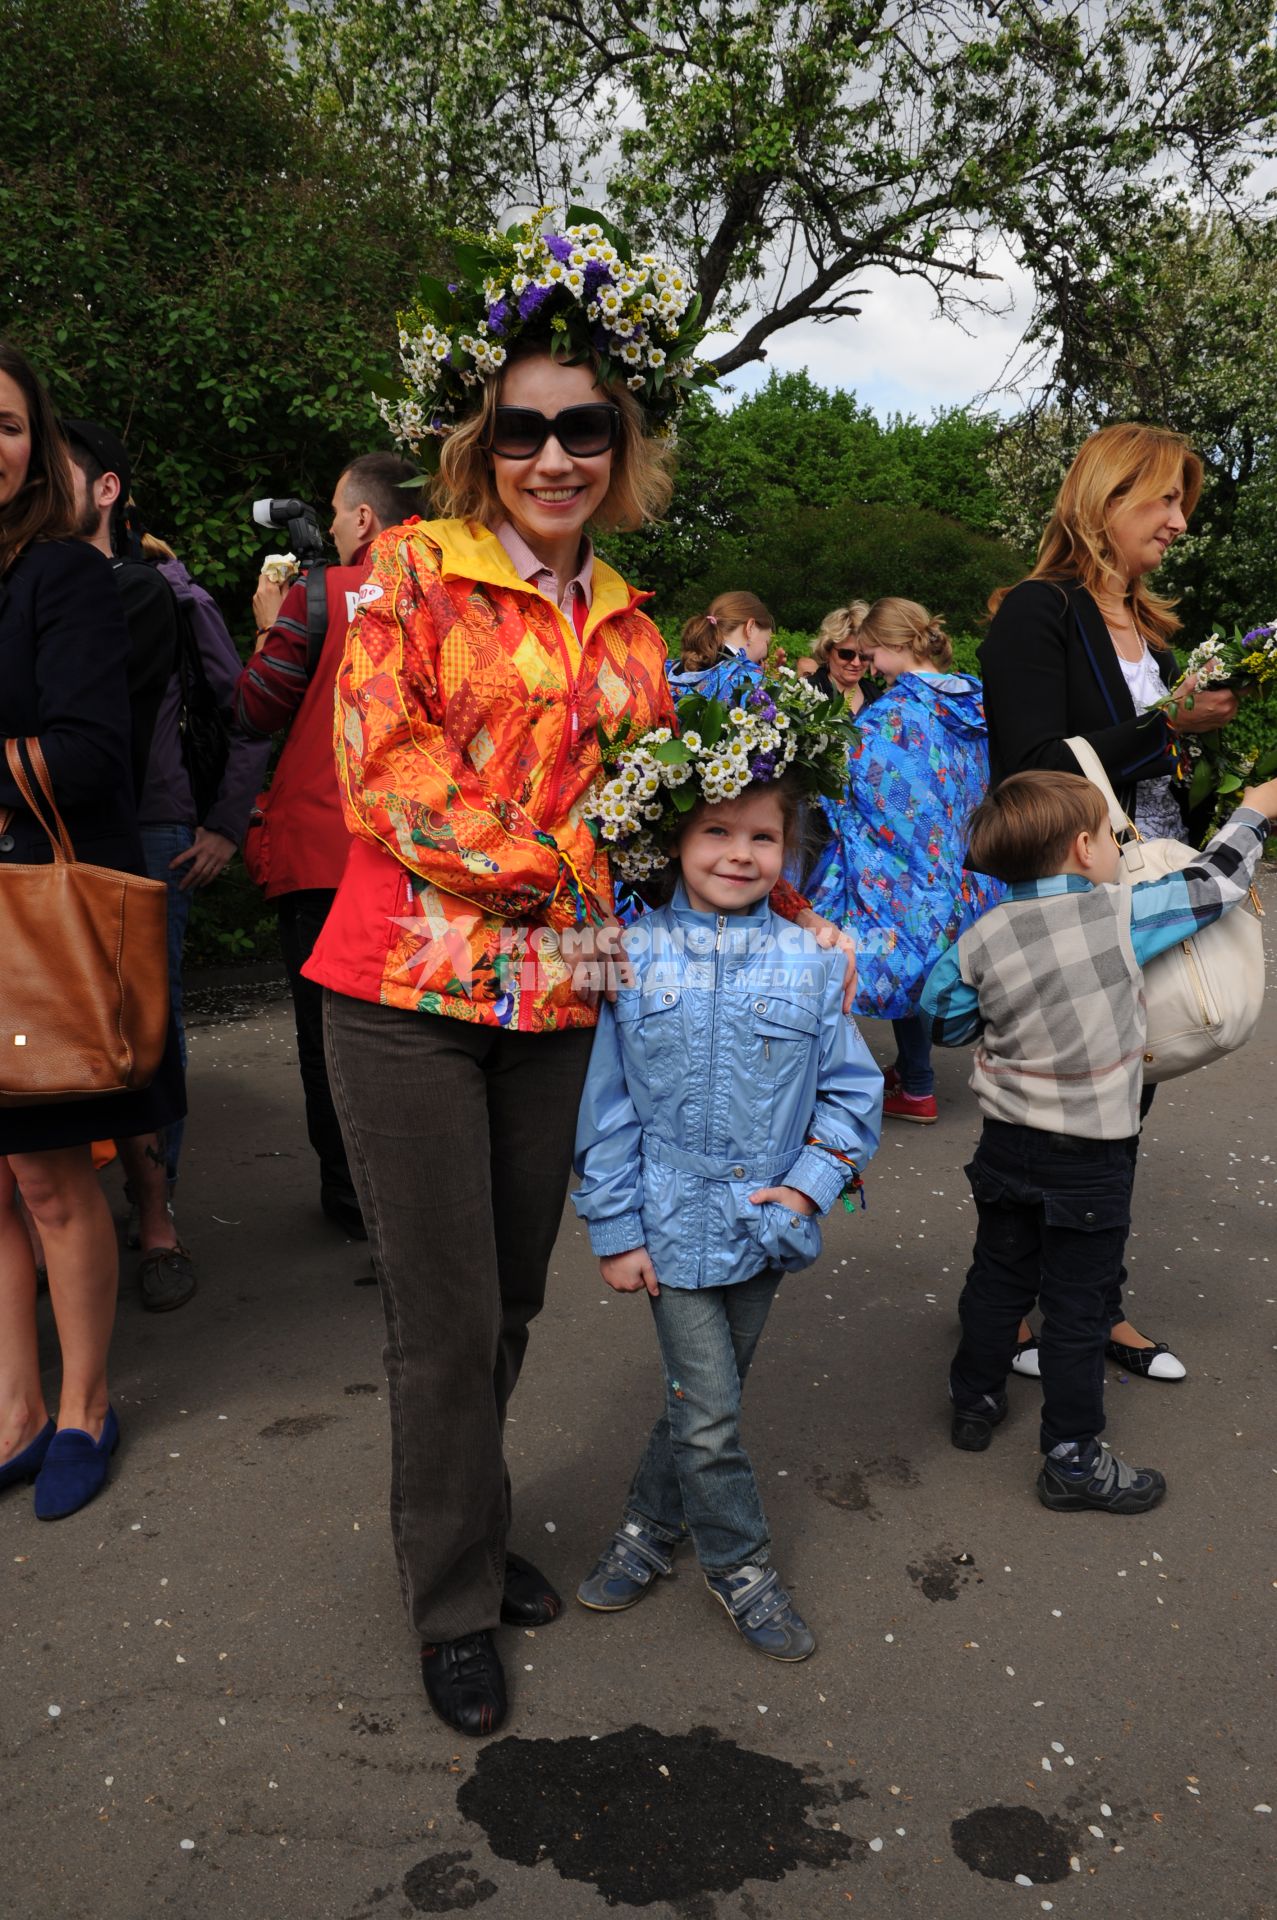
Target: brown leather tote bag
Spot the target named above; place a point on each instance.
(83, 967)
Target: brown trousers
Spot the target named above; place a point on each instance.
(460, 1140)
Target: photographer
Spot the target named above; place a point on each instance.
(297, 842)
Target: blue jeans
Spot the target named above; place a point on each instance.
(695, 1476)
(161, 845)
(1053, 1214)
(913, 1055)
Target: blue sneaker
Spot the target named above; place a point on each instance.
(763, 1613)
(625, 1570)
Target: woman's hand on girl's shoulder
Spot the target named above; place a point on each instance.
(833, 937)
(597, 958)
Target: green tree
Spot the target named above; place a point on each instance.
(191, 258)
(788, 148)
(806, 497)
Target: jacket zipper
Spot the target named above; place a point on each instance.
(709, 1077)
(571, 729)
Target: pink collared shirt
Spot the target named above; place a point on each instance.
(543, 578)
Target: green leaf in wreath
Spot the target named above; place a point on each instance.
(685, 798)
(671, 753)
(1231, 783)
(1203, 784)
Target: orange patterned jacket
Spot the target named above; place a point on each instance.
(466, 738)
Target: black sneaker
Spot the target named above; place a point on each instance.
(1098, 1480)
(465, 1683)
(972, 1427)
(166, 1278)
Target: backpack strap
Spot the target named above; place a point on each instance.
(316, 614)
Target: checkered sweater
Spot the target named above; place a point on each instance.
(1062, 998)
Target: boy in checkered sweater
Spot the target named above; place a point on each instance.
(1050, 985)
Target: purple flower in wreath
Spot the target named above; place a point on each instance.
(1257, 633)
(499, 317)
(763, 768)
(596, 273)
(532, 299)
(559, 247)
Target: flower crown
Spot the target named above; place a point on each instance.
(579, 288)
(650, 783)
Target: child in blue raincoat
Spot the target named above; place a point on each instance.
(723, 650)
(893, 869)
(729, 1101)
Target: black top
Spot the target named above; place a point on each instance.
(823, 682)
(1050, 670)
(63, 678)
(151, 614)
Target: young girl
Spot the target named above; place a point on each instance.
(723, 650)
(728, 1102)
(893, 869)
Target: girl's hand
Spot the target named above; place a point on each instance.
(1211, 710)
(791, 1197)
(828, 935)
(1263, 798)
(630, 1272)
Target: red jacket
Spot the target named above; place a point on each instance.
(297, 836)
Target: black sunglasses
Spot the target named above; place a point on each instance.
(519, 432)
(850, 653)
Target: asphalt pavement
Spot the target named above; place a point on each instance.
(209, 1700)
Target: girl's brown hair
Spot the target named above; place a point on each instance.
(703, 636)
(840, 626)
(1123, 464)
(1023, 829)
(892, 622)
(44, 506)
(641, 486)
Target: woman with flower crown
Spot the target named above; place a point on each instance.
(489, 651)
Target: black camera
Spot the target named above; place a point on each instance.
(305, 535)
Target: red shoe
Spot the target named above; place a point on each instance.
(919, 1107)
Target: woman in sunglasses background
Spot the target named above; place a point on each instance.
(723, 649)
(841, 667)
(489, 650)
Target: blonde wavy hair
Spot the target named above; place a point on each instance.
(892, 622)
(642, 480)
(838, 627)
(1119, 465)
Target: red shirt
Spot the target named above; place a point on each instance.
(297, 837)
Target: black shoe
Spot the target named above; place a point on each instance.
(344, 1212)
(166, 1278)
(528, 1599)
(465, 1683)
(1098, 1481)
(972, 1428)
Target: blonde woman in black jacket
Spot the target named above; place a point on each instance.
(1082, 647)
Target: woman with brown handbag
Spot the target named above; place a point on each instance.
(63, 646)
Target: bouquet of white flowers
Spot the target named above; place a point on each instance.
(1221, 763)
(280, 569)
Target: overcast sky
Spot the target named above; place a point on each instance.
(900, 356)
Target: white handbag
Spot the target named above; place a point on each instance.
(1203, 996)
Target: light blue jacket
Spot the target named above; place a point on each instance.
(731, 677)
(718, 1073)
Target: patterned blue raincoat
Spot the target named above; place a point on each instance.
(893, 871)
(731, 676)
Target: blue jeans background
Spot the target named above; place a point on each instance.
(160, 846)
(913, 1055)
(1053, 1214)
(695, 1475)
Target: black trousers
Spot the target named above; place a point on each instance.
(1053, 1213)
(301, 918)
(460, 1140)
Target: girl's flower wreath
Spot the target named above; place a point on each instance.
(651, 781)
(578, 286)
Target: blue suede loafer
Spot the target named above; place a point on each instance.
(26, 1465)
(74, 1470)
